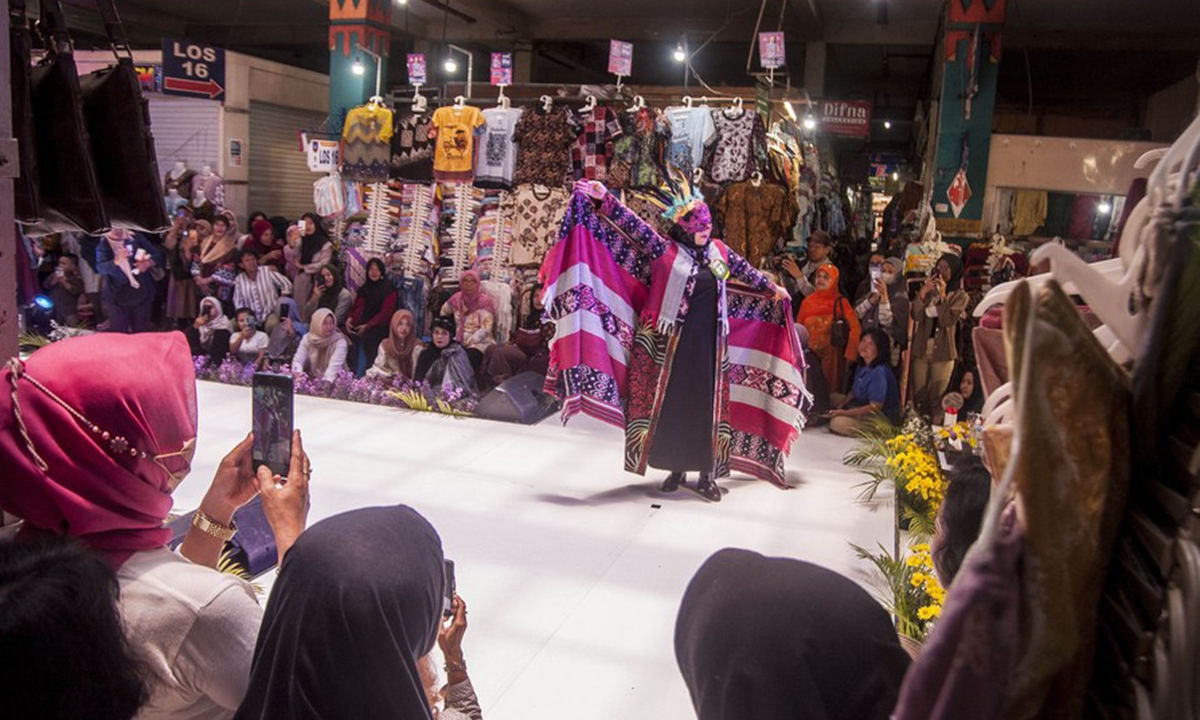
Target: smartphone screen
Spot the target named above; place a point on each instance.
(451, 589)
(273, 421)
(876, 273)
(283, 311)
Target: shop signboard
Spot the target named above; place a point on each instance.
(323, 155)
(416, 69)
(620, 58)
(771, 50)
(502, 68)
(193, 70)
(846, 118)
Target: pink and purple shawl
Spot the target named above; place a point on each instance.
(598, 285)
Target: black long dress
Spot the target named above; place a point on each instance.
(683, 440)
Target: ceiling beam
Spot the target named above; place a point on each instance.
(807, 14)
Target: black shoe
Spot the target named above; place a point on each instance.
(673, 481)
(708, 489)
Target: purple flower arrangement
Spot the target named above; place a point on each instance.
(390, 392)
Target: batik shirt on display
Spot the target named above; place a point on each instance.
(754, 218)
(454, 159)
(593, 149)
(638, 153)
(544, 147)
(691, 131)
(497, 159)
(535, 212)
(412, 148)
(366, 144)
(740, 146)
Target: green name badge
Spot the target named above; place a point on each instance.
(719, 269)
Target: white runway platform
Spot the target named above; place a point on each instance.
(572, 575)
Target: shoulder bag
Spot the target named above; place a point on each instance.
(839, 332)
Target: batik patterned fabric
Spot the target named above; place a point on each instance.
(609, 362)
(413, 144)
(460, 214)
(593, 149)
(754, 218)
(544, 152)
(535, 213)
(740, 147)
(412, 257)
(639, 155)
(366, 144)
(490, 249)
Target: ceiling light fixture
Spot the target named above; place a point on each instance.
(791, 111)
(810, 122)
(680, 55)
(896, 176)
(1105, 207)
(451, 65)
(887, 124)
(358, 68)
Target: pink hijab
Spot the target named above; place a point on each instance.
(106, 475)
(463, 304)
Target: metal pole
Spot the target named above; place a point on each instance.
(10, 251)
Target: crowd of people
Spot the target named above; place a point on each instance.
(99, 619)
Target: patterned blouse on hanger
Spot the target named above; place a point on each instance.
(544, 140)
(740, 146)
(412, 148)
(593, 149)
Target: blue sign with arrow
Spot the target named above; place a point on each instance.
(193, 70)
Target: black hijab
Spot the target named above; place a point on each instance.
(374, 292)
(357, 603)
(772, 638)
(329, 298)
(956, 271)
(310, 245)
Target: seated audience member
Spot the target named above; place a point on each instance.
(322, 351)
(474, 314)
(399, 351)
(960, 517)
(456, 700)
(445, 363)
(286, 337)
(265, 246)
(249, 344)
(315, 252)
(63, 653)
(529, 351)
(64, 286)
(259, 289)
(329, 292)
(210, 332)
(106, 432)
(777, 639)
(367, 324)
(875, 390)
(355, 607)
(967, 394)
(291, 253)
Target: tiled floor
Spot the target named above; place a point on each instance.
(572, 569)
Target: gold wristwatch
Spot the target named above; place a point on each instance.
(211, 527)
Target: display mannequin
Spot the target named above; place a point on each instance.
(202, 207)
(174, 201)
(180, 178)
(213, 186)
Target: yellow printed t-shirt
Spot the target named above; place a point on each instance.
(454, 160)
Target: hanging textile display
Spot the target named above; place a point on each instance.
(754, 218)
(536, 212)
(413, 143)
(366, 143)
(497, 161)
(459, 215)
(740, 147)
(544, 147)
(457, 129)
(639, 155)
(491, 247)
(692, 129)
(593, 149)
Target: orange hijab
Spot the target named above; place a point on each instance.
(820, 305)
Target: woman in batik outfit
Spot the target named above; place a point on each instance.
(677, 417)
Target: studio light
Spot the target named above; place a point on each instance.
(810, 122)
(451, 65)
(1105, 207)
(680, 55)
(887, 124)
(358, 68)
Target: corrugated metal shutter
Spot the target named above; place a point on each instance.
(280, 181)
(186, 129)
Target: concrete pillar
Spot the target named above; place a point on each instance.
(354, 23)
(815, 54)
(971, 48)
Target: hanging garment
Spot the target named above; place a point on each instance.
(213, 187)
(1083, 217)
(366, 143)
(754, 218)
(1029, 211)
(413, 143)
(328, 195)
(497, 159)
(740, 147)
(457, 129)
(415, 232)
(639, 154)
(1005, 212)
(535, 213)
(544, 147)
(692, 130)
(492, 245)
(593, 149)
(1058, 214)
(460, 212)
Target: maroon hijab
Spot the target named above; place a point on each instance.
(95, 433)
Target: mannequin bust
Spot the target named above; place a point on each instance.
(206, 171)
(198, 200)
(179, 169)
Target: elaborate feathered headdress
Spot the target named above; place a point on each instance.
(683, 197)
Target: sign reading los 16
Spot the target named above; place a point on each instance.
(193, 70)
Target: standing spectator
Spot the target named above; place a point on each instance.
(316, 251)
(249, 344)
(182, 242)
(367, 324)
(215, 271)
(65, 286)
(266, 246)
(330, 293)
(322, 351)
(883, 303)
(801, 281)
(259, 289)
(938, 312)
(833, 329)
(125, 261)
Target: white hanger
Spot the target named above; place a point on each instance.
(376, 101)
(460, 102)
(1150, 156)
(591, 104)
(704, 100)
(547, 103)
(756, 178)
(502, 100)
(639, 103)
(687, 101)
(697, 175)
(737, 103)
(419, 102)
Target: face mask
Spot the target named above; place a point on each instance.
(888, 278)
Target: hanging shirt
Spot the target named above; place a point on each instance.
(754, 218)
(534, 214)
(412, 148)
(419, 214)
(1029, 211)
(691, 131)
(497, 160)
(544, 152)
(593, 149)
(740, 144)
(366, 144)
(456, 128)
(639, 154)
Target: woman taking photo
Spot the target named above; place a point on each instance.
(833, 328)
(316, 251)
(214, 271)
(937, 312)
(330, 293)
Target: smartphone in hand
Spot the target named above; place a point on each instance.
(451, 589)
(273, 421)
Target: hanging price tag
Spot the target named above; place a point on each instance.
(416, 69)
(620, 58)
(502, 68)
(771, 50)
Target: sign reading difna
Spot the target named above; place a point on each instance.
(841, 117)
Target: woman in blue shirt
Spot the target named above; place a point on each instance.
(875, 389)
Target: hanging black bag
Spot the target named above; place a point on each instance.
(69, 193)
(118, 120)
(21, 59)
(839, 331)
